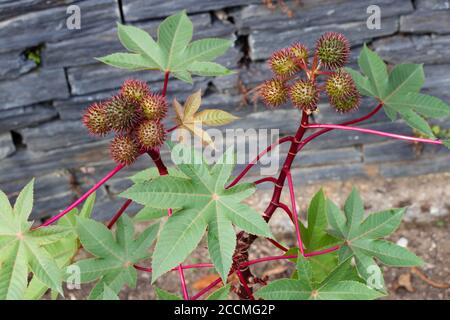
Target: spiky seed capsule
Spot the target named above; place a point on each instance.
(124, 149)
(299, 52)
(346, 104)
(274, 92)
(95, 119)
(333, 50)
(150, 134)
(122, 113)
(282, 63)
(304, 95)
(135, 90)
(154, 106)
(340, 85)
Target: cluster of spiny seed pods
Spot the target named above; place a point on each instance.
(134, 115)
(331, 53)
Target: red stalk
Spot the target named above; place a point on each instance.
(83, 197)
(374, 132)
(119, 213)
(207, 288)
(294, 211)
(251, 164)
(245, 285)
(266, 179)
(278, 245)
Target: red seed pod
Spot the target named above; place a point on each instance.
(122, 113)
(124, 149)
(299, 52)
(150, 134)
(95, 119)
(274, 92)
(304, 95)
(348, 103)
(154, 106)
(135, 90)
(340, 85)
(282, 63)
(333, 50)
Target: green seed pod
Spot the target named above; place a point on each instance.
(282, 63)
(340, 85)
(95, 119)
(154, 107)
(274, 92)
(135, 90)
(124, 149)
(304, 95)
(150, 134)
(333, 50)
(122, 113)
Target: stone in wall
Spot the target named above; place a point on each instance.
(55, 135)
(263, 42)
(432, 4)
(37, 86)
(134, 10)
(416, 168)
(314, 13)
(26, 163)
(334, 172)
(36, 27)
(14, 8)
(23, 117)
(420, 49)
(437, 81)
(84, 50)
(6, 145)
(426, 21)
(14, 64)
(390, 151)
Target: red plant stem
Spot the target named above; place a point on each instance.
(321, 132)
(189, 266)
(266, 179)
(251, 164)
(119, 213)
(286, 166)
(183, 282)
(318, 253)
(166, 81)
(294, 211)
(265, 259)
(278, 245)
(172, 129)
(207, 288)
(83, 197)
(286, 209)
(374, 132)
(245, 285)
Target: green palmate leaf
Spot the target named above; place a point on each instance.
(416, 122)
(375, 69)
(206, 68)
(164, 295)
(204, 204)
(23, 250)
(398, 90)
(131, 61)
(336, 286)
(205, 50)
(62, 246)
(114, 256)
(220, 294)
(361, 238)
(109, 294)
(172, 52)
(139, 41)
(315, 237)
